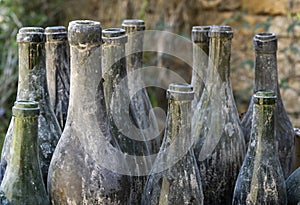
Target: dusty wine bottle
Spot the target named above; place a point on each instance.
(261, 179)
(79, 172)
(175, 178)
(58, 71)
(293, 188)
(114, 75)
(266, 78)
(200, 60)
(140, 105)
(23, 182)
(32, 85)
(219, 141)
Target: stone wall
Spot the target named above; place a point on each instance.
(247, 17)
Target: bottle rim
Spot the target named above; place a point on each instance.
(265, 97)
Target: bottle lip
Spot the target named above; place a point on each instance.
(81, 32)
(221, 31)
(56, 33)
(265, 97)
(132, 25)
(180, 91)
(265, 42)
(31, 34)
(200, 33)
(25, 108)
(114, 35)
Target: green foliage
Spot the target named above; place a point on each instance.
(15, 14)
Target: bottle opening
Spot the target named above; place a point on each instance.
(113, 32)
(55, 29)
(182, 87)
(265, 36)
(29, 30)
(133, 22)
(26, 108)
(265, 97)
(200, 28)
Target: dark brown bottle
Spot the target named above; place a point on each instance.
(82, 169)
(266, 78)
(58, 71)
(23, 182)
(32, 85)
(175, 178)
(219, 146)
(140, 105)
(261, 179)
(200, 60)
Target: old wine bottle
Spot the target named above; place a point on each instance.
(32, 85)
(58, 71)
(219, 146)
(79, 172)
(261, 179)
(266, 78)
(23, 182)
(140, 105)
(174, 178)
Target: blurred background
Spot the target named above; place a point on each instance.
(247, 17)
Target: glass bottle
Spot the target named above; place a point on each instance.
(140, 105)
(200, 60)
(175, 178)
(293, 188)
(23, 182)
(58, 71)
(261, 180)
(219, 141)
(266, 78)
(80, 171)
(115, 82)
(32, 85)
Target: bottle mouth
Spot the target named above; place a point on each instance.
(113, 32)
(265, 36)
(265, 42)
(25, 108)
(265, 97)
(31, 34)
(200, 33)
(56, 33)
(55, 29)
(220, 31)
(132, 25)
(180, 91)
(84, 32)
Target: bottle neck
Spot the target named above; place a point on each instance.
(32, 84)
(200, 65)
(24, 157)
(114, 71)
(219, 60)
(85, 83)
(262, 133)
(134, 47)
(178, 126)
(266, 77)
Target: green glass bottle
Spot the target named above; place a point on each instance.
(175, 178)
(140, 105)
(261, 179)
(79, 172)
(219, 146)
(114, 76)
(200, 60)
(32, 85)
(266, 78)
(293, 188)
(23, 182)
(58, 71)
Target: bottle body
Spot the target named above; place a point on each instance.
(32, 85)
(79, 172)
(175, 178)
(140, 105)
(266, 78)
(23, 182)
(58, 71)
(293, 188)
(220, 151)
(261, 179)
